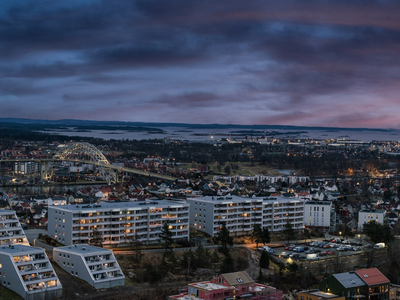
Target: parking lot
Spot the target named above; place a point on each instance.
(317, 250)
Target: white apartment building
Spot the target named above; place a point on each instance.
(11, 231)
(240, 214)
(368, 215)
(28, 272)
(318, 213)
(118, 223)
(97, 266)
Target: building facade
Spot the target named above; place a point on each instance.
(368, 215)
(118, 223)
(97, 266)
(28, 272)
(11, 231)
(240, 214)
(319, 214)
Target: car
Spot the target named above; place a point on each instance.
(309, 251)
(341, 248)
(264, 248)
(298, 249)
(327, 246)
(289, 246)
(270, 250)
(331, 252)
(356, 248)
(317, 251)
(285, 254)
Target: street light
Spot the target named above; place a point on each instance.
(359, 237)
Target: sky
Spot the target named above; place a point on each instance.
(280, 62)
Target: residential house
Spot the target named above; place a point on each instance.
(237, 285)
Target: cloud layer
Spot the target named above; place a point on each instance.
(299, 62)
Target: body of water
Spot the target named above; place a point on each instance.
(211, 135)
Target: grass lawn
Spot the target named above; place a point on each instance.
(6, 294)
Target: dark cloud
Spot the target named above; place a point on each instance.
(243, 62)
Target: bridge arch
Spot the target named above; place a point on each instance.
(96, 157)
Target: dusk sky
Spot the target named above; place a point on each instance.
(301, 62)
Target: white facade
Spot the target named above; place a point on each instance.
(368, 215)
(11, 231)
(240, 214)
(28, 272)
(118, 223)
(97, 266)
(317, 213)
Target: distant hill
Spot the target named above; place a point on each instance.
(85, 124)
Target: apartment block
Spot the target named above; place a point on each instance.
(28, 272)
(319, 214)
(97, 266)
(240, 214)
(118, 223)
(369, 215)
(11, 231)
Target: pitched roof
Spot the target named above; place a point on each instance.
(372, 276)
(349, 279)
(237, 278)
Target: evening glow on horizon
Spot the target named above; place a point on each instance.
(301, 62)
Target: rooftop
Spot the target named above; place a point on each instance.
(374, 211)
(372, 276)
(239, 199)
(19, 249)
(209, 286)
(349, 279)
(118, 206)
(320, 295)
(318, 202)
(6, 211)
(83, 249)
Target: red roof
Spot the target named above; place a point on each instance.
(372, 276)
(24, 204)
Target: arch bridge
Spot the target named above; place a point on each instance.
(82, 151)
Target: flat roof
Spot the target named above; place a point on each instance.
(4, 211)
(378, 211)
(318, 202)
(19, 249)
(119, 205)
(209, 286)
(239, 199)
(83, 249)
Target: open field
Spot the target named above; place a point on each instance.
(244, 168)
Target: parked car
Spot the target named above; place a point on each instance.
(356, 248)
(327, 246)
(285, 254)
(289, 246)
(309, 251)
(298, 249)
